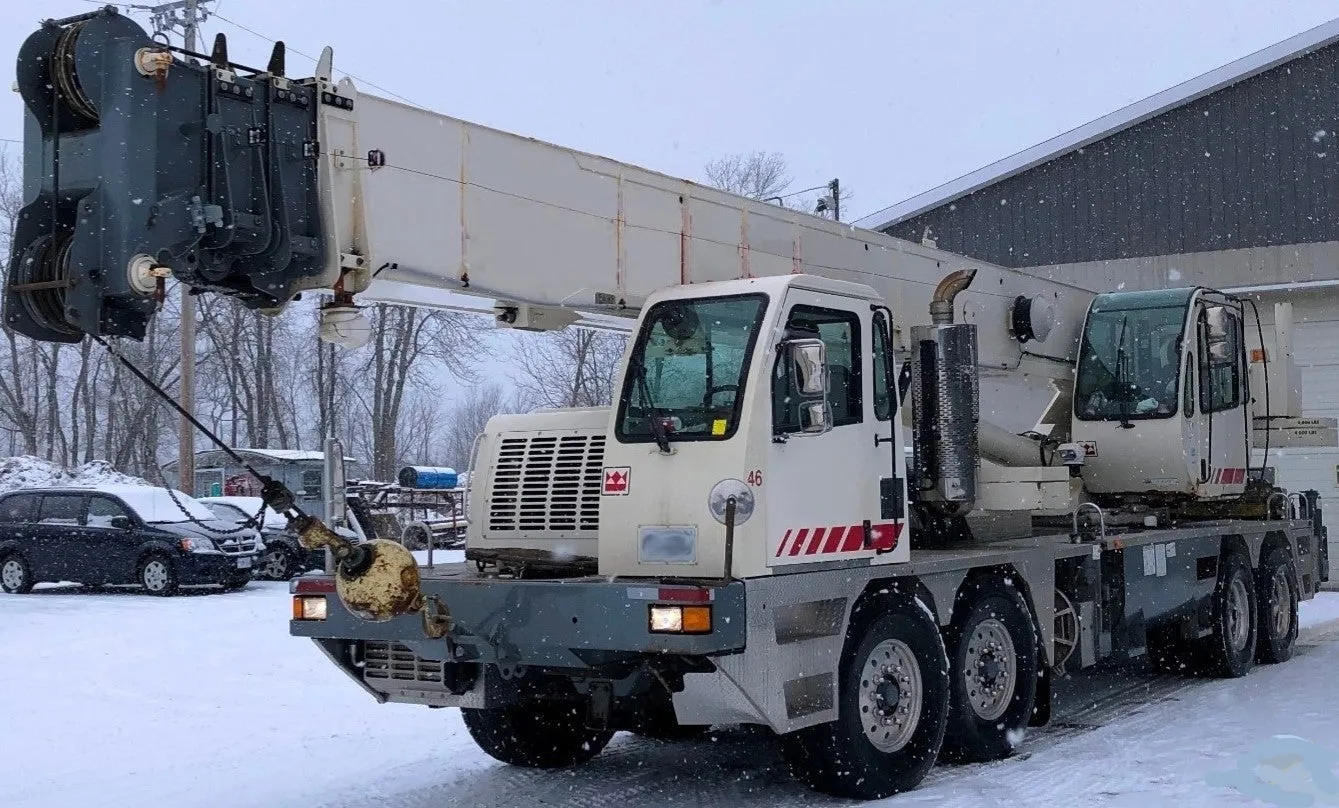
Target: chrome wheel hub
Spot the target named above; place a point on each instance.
(1238, 614)
(1282, 613)
(891, 693)
(991, 669)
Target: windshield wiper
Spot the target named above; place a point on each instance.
(1125, 390)
(658, 430)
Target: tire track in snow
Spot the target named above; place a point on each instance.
(744, 766)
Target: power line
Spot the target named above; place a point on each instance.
(259, 35)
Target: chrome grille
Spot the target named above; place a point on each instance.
(546, 484)
(388, 662)
(232, 546)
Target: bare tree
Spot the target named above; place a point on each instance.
(575, 367)
(757, 175)
(766, 176)
(407, 345)
(468, 419)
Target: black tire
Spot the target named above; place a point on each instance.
(992, 651)
(541, 735)
(16, 576)
(277, 563)
(158, 575)
(841, 757)
(1277, 595)
(1230, 651)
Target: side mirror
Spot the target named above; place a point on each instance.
(809, 357)
(122, 522)
(1221, 336)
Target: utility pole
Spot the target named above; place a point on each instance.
(836, 187)
(186, 16)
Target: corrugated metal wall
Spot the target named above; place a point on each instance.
(1254, 164)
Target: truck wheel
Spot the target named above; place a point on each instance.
(1230, 651)
(539, 735)
(16, 577)
(157, 575)
(1278, 595)
(992, 649)
(892, 705)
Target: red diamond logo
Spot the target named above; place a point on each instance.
(616, 480)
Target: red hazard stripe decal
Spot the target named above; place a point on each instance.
(808, 541)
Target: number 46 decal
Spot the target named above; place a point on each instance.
(755, 478)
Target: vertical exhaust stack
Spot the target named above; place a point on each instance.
(945, 396)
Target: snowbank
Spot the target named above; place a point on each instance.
(25, 471)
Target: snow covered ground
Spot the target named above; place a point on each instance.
(204, 700)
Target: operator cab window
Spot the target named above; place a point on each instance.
(840, 332)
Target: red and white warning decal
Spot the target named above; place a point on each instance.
(617, 480)
(809, 541)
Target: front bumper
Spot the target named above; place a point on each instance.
(204, 569)
(572, 623)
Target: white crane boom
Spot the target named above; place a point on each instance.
(261, 186)
(433, 201)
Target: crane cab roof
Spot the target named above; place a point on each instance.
(774, 286)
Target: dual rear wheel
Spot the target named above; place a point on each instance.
(910, 695)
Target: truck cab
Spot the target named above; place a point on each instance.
(781, 384)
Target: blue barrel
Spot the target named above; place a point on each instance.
(429, 477)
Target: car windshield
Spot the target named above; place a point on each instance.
(244, 510)
(685, 379)
(1129, 363)
(155, 505)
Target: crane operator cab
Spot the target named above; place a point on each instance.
(1161, 405)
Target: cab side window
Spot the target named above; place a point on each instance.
(883, 364)
(102, 510)
(840, 332)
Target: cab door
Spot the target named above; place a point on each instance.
(833, 513)
(1223, 432)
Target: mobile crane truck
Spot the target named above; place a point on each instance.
(871, 495)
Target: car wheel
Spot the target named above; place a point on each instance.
(158, 575)
(16, 577)
(276, 564)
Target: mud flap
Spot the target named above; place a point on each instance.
(1041, 705)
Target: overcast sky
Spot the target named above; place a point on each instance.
(892, 97)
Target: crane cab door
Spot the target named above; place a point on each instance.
(1215, 398)
(832, 479)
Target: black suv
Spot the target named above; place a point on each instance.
(121, 534)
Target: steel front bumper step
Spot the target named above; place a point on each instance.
(572, 623)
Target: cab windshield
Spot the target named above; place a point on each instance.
(1130, 359)
(685, 379)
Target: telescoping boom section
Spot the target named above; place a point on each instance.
(866, 493)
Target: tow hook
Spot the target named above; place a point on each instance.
(376, 580)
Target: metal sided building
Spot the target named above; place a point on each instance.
(1228, 180)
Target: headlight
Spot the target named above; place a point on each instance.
(198, 546)
(725, 489)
